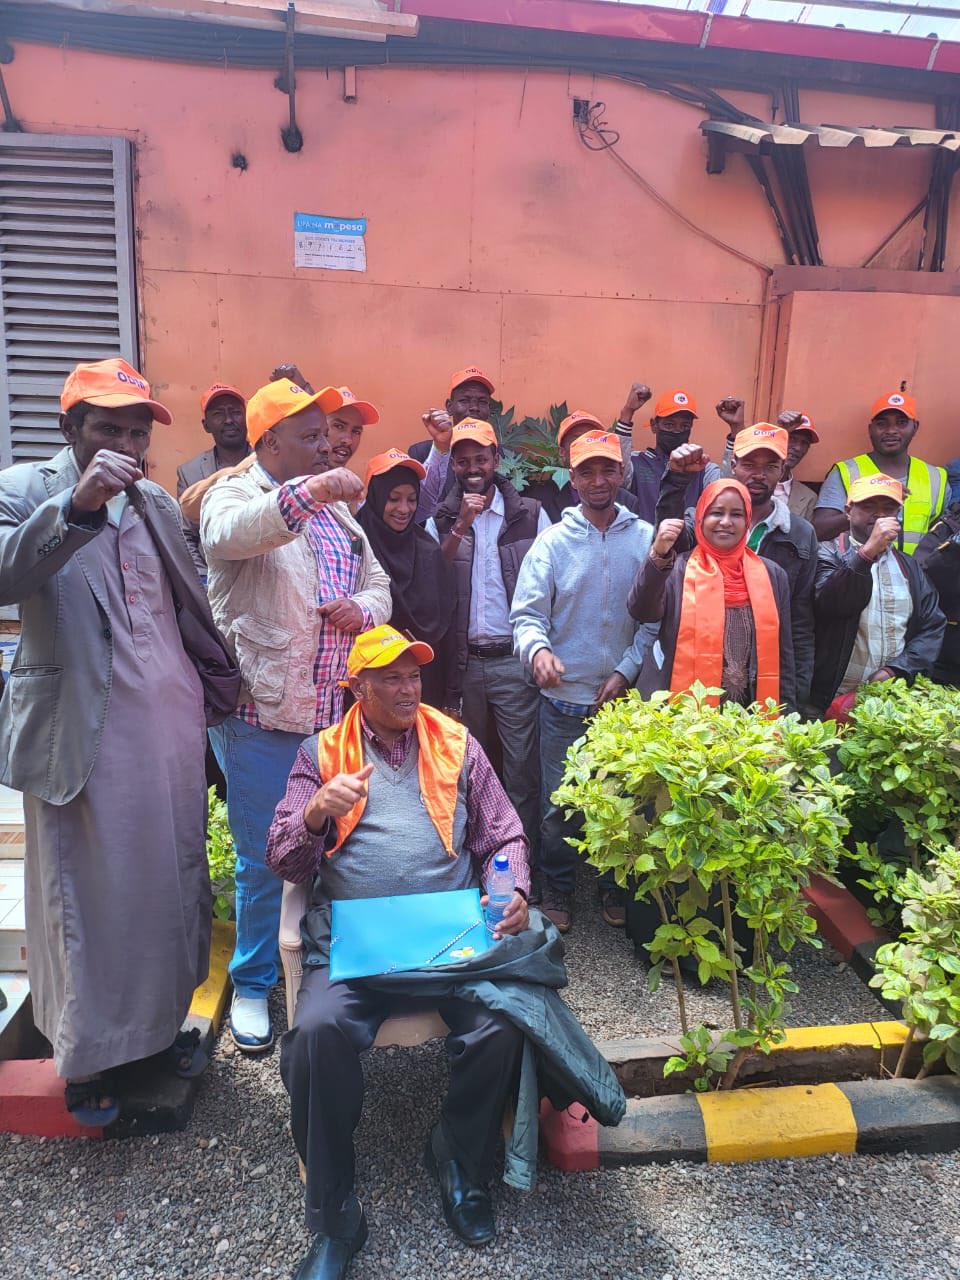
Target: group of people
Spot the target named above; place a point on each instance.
(359, 651)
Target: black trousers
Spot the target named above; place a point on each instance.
(320, 1067)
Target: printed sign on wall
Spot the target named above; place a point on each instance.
(334, 243)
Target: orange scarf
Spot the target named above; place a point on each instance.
(443, 747)
(714, 580)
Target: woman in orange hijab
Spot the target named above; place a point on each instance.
(724, 611)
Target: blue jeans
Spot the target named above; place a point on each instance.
(256, 764)
(558, 861)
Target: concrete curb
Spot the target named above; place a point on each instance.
(152, 1099)
(865, 1117)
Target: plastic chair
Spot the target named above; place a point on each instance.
(403, 1029)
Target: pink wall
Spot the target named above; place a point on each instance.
(494, 237)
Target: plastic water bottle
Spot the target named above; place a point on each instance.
(500, 889)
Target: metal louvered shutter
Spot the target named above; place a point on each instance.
(66, 276)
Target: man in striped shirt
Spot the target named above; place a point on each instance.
(292, 580)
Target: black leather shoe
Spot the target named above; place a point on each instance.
(467, 1209)
(329, 1257)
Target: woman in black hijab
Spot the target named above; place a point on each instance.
(421, 581)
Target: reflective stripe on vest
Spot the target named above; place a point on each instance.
(924, 502)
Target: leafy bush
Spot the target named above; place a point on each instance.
(701, 807)
(922, 969)
(530, 450)
(221, 856)
(901, 760)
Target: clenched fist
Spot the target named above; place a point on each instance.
(338, 485)
(106, 475)
(667, 534)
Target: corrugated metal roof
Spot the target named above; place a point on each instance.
(760, 136)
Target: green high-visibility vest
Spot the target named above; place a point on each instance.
(924, 502)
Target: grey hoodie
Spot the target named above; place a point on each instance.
(571, 598)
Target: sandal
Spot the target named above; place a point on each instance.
(187, 1059)
(84, 1100)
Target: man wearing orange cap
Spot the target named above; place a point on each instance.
(485, 528)
(221, 415)
(581, 646)
(893, 425)
(877, 615)
(103, 730)
(758, 457)
(556, 499)
(399, 800)
(800, 498)
(292, 580)
(674, 415)
(468, 396)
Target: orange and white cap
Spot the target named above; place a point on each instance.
(762, 435)
(282, 399)
(381, 646)
(369, 413)
(471, 374)
(675, 401)
(579, 418)
(806, 425)
(112, 384)
(381, 463)
(475, 430)
(595, 444)
(876, 486)
(898, 400)
(220, 389)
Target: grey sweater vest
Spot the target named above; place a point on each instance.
(394, 848)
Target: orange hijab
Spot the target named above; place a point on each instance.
(713, 581)
(443, 747)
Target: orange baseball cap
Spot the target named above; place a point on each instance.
(470, 374)
(369, 413)
(762, 435)
(675, 402)
(112, 384)
(578, 418)
(279, 400)
(895, 400)
(384, 462)
(475, 430)
(381, 646)
(805, 425)
(220, 389)
(876, 486)
(595, 444)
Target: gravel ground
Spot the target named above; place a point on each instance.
(222, 1200)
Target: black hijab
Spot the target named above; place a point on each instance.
(421, 581)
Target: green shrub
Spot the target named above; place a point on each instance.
(221, 856)
(922, 969)
(901, 760)
(530, 450)
(697, 806)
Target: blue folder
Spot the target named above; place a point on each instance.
(371, 936)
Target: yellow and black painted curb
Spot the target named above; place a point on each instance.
(152, 1099)
(779, 1122)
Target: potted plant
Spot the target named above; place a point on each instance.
(720, 816)
(221, 858)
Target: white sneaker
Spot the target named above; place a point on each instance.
(250, 1024)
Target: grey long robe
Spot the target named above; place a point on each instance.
(117, 890)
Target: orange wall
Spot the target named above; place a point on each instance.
(494, 237)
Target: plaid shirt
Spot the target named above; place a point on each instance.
(493, 827)
(338, 567)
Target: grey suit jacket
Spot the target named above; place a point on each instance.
(198, 468)
(53, 710)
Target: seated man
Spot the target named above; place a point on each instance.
(396, 799)
(877, 616)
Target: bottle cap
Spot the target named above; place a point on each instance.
(502, 862)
